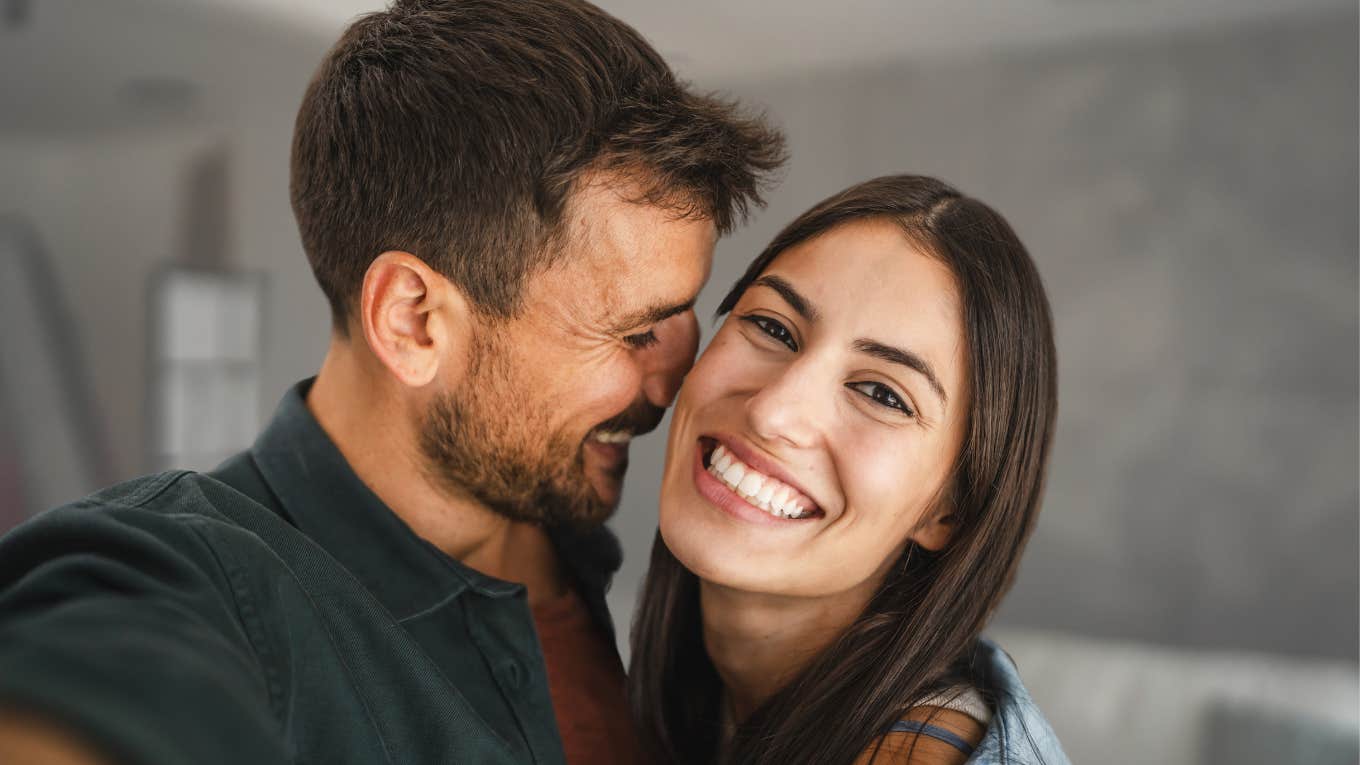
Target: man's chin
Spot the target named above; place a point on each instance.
(608, 492)
(605, 465)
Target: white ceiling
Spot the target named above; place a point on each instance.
(723, 40)
(77, 65)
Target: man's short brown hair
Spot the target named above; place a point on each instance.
(456, 129)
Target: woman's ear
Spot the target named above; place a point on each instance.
(936, 528)
(417, 322)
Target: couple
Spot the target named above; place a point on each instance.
(511, 206)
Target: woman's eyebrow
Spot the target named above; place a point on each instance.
(878, 350)
(791, 296)
(907, 359)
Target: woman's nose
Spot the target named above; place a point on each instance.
(666, 363)
(785, 408)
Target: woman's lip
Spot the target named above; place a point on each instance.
(719, 494)
(761, 463)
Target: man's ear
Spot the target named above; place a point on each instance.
(936, 529)
(417, 322)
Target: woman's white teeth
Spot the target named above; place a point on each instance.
(766, 493)
(723, 460)
(750, 485)
(760, 490)
(734, 473)
(780, 498)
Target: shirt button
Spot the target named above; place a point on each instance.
(512, 674)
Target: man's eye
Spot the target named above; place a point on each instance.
(882, 394)
(773, 329)
(642, 339)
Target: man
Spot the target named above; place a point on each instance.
(511, 206)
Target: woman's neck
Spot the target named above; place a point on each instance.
(758, 642)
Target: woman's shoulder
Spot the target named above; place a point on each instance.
(992, 720)
(1018, 732)
(927, 735)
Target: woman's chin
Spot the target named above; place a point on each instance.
(720, 549)
(711, 554)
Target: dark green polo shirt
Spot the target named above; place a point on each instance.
(275, 611)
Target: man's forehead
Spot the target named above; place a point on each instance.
(608, 218)
(627, 261)
(629, 292)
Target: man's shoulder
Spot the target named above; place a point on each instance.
(141, 605)
(181, 511)
(169, 492)
(173, 495)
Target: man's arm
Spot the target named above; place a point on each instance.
(118, 625)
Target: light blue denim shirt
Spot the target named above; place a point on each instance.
(1018, 733)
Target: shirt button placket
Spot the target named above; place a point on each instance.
(512, 675)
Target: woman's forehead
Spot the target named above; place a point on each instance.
(871, 272)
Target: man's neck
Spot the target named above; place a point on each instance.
(759, 642)
(379, 440)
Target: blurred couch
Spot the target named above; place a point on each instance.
(1115, 702)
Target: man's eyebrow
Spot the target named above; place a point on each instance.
(791, 296)
(905, 358)
(652, 315)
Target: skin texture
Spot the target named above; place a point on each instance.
(825, 414)
(32, 740)
(562, 367)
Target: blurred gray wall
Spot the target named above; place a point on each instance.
(1192, 204)
(106, 173)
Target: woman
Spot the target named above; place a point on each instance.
(853, 468)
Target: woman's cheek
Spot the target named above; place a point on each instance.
(718, 369)
(891, 489)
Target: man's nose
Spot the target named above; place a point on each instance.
(666, 363)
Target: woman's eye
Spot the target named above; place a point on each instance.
(882, 394)
(773, 329)
(642, 339)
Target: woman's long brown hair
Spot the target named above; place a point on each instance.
(919, 630)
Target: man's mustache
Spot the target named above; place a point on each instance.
(637, 419)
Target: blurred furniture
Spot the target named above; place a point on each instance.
(53, 448)
(1115, 702)
(206, 365)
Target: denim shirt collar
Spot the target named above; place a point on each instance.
(1018, 733)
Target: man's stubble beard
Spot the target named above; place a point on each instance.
(482, 441)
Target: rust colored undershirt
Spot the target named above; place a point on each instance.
(587, 684)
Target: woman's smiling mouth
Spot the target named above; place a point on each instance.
(731, 478)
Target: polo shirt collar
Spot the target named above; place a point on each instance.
(323, 498)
